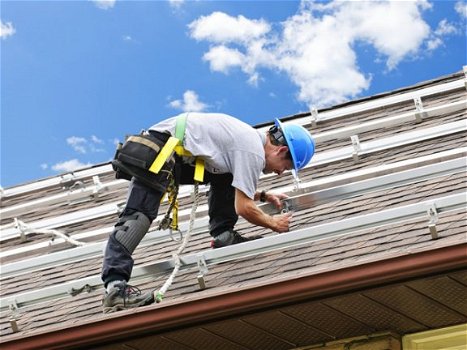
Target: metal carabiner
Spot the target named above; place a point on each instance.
(172, 237)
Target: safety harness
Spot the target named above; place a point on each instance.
(175, 144)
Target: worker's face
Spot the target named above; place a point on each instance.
(278, 161)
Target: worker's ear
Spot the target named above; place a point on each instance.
(282, 149)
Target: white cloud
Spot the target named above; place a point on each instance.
(444, 28)
(6, 30)
(84, 146)
(222, 58)
(104, 4)
(434, 43)
(190, 103)
(436, 37)
(44, 166)
(95, 139)
(69, 165)
(316, 47)
(176, 3)
(461, 8)
(219, 27)
(77, 143)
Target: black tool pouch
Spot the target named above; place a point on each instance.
(135, 157)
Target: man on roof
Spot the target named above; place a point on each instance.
(234, 154)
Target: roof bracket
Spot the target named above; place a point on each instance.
(420, 113)
(314, 116)
(22, 227)
(203, 270)
(14, 316)
(296, 184)
(433, 215)
(356, 147)
(77, 187)
(99, 187)
(68, 180)
(13, 305)
(14, 325)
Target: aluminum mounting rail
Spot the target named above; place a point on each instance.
(57, 180)
(380, 102)
(334, 113)
(389, 121)
(248, 249)
(89, 251)
(308, 196)
(391, 100)
(368, 147)
(88, 193)
(327, 182)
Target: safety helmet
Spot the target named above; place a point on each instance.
(300, 143)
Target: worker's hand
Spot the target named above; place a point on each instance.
(276, 199)
(282, 222)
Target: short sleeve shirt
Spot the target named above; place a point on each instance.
(226, 144)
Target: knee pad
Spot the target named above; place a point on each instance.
(130, 230)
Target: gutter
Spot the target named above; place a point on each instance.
(147, 320)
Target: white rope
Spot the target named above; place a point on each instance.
(159, 295)
(25, 230)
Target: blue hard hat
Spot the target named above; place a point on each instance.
(300, 143)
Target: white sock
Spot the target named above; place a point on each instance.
(111, 284)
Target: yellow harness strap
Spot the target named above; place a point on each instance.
(174, 144)
(164, 155)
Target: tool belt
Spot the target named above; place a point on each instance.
(134, 158)
(151, 160)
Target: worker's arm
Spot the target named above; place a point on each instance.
(246, 208)
(273, 198)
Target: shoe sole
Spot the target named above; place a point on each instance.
(118, 307)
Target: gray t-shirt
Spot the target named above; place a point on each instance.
(226, 144)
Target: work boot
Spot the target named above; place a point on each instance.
(230, 237)
(123, 296)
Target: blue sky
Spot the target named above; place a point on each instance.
(78, 75)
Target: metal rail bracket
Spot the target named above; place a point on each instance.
(314, 116)
(420, 114)
(203, 270)
(433, 216)
(356, 147)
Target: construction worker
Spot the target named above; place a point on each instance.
(234, 155)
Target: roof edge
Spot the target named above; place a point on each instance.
(259, 297)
